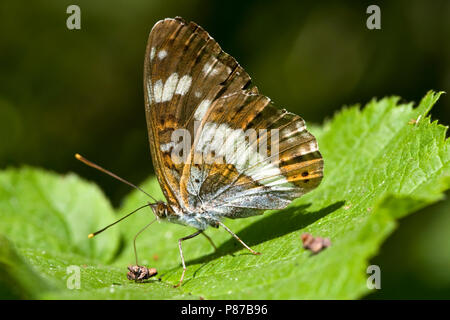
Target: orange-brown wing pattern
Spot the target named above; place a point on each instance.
(185, 71)
(191, 84)
(232, 176)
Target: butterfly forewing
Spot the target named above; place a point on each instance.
(185, 71)
(191, 84)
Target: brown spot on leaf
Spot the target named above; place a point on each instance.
(314, 244)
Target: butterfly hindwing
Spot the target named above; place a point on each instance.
(250, 156)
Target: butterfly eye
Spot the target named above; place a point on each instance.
(161, 210)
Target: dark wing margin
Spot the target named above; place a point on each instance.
(185, 71)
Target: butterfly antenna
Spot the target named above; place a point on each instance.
(95, 166)
(110, 225)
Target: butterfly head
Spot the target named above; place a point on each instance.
(160, 209)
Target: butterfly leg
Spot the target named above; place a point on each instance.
(239, 239)
(210, 240)
(181, 253)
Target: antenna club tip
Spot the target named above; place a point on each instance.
(91, 235)
(78, 156)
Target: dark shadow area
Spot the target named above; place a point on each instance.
(274, 226)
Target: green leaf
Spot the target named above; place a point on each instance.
(96, 280)
(53, 213)
(379, 167)
(17, 279)
(49, 217)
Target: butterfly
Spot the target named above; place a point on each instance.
(207, 125)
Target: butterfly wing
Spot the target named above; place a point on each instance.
(188, 79)
(250, 156)
(185, 70)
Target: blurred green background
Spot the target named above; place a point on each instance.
(65, 91)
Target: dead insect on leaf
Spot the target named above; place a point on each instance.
(140, 273)
(314, 244)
